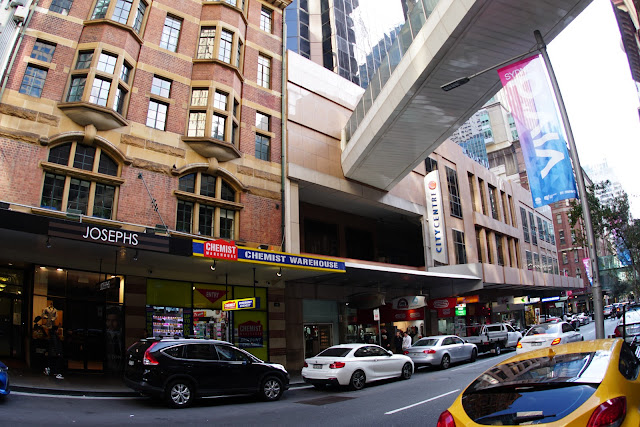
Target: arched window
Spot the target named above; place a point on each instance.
(81, 179)
(207, 205)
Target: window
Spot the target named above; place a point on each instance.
(534, 232)
(86, 193)
(157, 115)
(140, 11)
(552, 234)
(500, 249)
(199, 97)
(263, 144)
(161, 87)
(559, 218)
(100, 11)
(540, 229)
(565, 258)
(561, 236)
(555, 266)
(230, 354)
(220, 100)
(472, 189)
(578, 274)
(525, 227)
(454, 193)
(575, 255)
(573, 237)
(529, 260)
(218, 124)
(84, 60)
(107, 63)
(43, 51)
(215, 202)
(505, 207)
(100, 91)
(265, 19)
(61, 6)
(200, 352)
(430, 164)
(536, 261)
(546, 231)
(76, 89)
(170, 33)
(206, 43)
(264, 71)
(122, 10)
(197, 123)
(493, 201)
(544, 263)
(226, 42)
(238, 54)
(125, 72)
(458, 243)
(33, 81)
(483, 198)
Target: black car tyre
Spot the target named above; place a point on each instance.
(498, 350)
(179, 394)
(445, 362)
(358, 379)
(474, 355)
(271, 389)
(406, 372)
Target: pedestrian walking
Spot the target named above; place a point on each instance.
(55, 354)
(397, 341)
(406, 342)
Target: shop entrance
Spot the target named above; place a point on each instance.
(84, 335)
(318, 337)
(10, 326)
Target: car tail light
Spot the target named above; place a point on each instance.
(405, 352)
(556, 341)
(611, 413)
(446, 420)
(336, 365)
(430, 351)
(148, 357)
(618, 332)
(306, 365)
(519, 345)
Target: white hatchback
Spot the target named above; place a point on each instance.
(548, 335)
(355, 365)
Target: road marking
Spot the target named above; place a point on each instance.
(70, 396)
(420, 403)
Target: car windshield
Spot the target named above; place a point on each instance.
(335, 352)
(426, 342)
(546, 328)
(535, 390)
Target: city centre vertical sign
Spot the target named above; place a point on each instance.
(437, 232)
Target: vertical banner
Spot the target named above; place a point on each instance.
(587, 269)
(437, 232)
(543, 143)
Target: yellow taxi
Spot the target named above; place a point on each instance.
(588, 383)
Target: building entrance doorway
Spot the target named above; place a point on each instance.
(318, 337)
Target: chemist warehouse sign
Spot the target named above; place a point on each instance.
(221, 249)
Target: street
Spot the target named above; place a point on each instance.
(418, 401)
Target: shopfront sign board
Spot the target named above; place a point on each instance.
(409, 302)
(239, 304)
(225, 250)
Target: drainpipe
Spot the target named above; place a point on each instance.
(283, 123)
(16, 48)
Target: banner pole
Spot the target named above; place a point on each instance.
(596, 290)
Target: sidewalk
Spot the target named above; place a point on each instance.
(24, 379)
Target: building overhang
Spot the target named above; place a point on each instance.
(213, 148)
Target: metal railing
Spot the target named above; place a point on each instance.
(416, 19)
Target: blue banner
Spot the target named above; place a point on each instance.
(543, 143)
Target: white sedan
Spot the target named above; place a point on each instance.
(355, 365)
(548, 335)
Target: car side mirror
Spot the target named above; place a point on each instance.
(389, 353)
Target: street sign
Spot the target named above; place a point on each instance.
(376, 314)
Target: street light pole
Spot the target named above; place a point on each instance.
(596, 289)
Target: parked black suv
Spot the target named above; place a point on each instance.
(181, 369)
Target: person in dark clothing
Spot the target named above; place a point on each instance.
(397, 341)
(386, 342)
(55, 354)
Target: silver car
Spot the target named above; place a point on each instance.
(441, 350)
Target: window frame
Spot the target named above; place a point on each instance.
(459, 246)
(264, 71)
(454, 192)
(32, 82)
(266, 19)
(169, 40)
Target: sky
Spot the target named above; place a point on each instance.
(600, 97)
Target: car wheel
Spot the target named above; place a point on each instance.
(271, 389)
(406, 372)
(179, 394)
(358, 379)
(498, 349)
(445, 362)
(474, 355)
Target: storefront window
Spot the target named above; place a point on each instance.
(250, 326)
(209, 321)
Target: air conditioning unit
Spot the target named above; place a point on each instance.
(20, 14)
